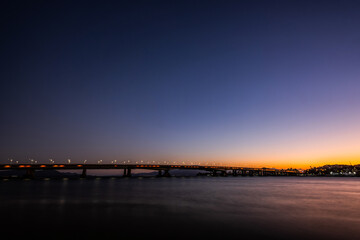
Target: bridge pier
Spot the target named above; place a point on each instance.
(166, 173)
(128, 172)
(223, 173)
(163, 174)
(83, 174)
(30, 173)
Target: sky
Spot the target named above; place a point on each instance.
(246, 83)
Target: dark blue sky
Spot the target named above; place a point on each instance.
(252, 82)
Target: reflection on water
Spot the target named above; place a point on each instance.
(256, 207)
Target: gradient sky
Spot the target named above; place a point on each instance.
(252, 83)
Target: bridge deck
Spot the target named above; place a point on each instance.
(135, 166)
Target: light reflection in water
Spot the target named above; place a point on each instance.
(267, 206)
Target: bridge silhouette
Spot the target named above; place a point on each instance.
(163, 169)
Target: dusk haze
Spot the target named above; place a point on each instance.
(251, 83)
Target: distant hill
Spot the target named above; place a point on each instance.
(59, 174)
(39, 174)
(175, 173)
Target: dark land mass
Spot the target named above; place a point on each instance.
(40, 174)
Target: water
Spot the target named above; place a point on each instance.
(180, 208)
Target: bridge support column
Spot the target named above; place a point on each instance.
(83, 174)
(166, 173)
(30, 173)
(235, 173)
(128, 172)
(214, 173)
(223, 174)
(163, 173)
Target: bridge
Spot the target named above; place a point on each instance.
(163, 169)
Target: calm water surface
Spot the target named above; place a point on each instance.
(168, 208)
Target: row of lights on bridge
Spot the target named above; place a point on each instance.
(68, 161)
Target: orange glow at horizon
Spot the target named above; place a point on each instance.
(256, 162)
